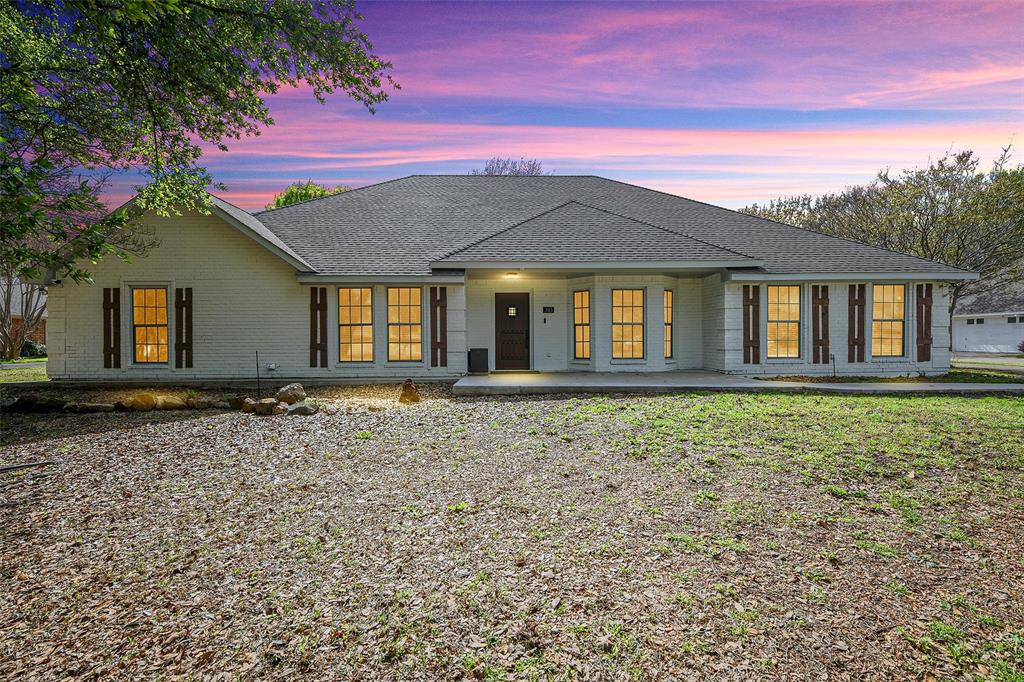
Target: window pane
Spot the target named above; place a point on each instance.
(887, 325)
(783, 325)
(405, 330)
(149, 325)
(627, 323)
(355, 324)
(581, 324)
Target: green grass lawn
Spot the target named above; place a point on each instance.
(955, 375)
(22, 374)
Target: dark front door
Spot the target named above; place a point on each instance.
(512, 331)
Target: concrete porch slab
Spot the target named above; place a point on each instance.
(517, 383)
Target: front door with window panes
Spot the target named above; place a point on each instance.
(512, 331)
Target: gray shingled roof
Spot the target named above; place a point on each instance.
(577, 233)
(1006, 299)
(401, 226)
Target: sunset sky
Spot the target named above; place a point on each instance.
(729, 103)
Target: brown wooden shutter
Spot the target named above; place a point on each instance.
(751, 324)
(819, 324)
(318, 326)
(438, 326)
(183, 328)
(111, 328)
(855, 326)
(924, 322)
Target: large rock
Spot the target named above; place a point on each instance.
(410, 394)
(292, 393)
(236, 402)
(302, 409)
(83, 408)
(280, 408)
(141, 402)
(169, 402)
(220, 405)
(36, 404)
(265, 406)
(198, 403)
(248, 405)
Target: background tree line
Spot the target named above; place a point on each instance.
(951, 211)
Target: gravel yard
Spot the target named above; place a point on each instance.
(697, 536)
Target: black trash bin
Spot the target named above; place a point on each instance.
(478, 363)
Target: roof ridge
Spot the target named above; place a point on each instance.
(236, 206)
(779, 222)
(332, 196)
(502, 230)
(669, 230)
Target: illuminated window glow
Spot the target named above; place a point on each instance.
(405, 328)
(355, 324)
(627, 323)
(668, 323)
(888, 311)
(149, 325)
(581, 324)
(784, 321)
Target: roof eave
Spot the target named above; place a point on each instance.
(597, 265)
(851, 276)
(437, 278)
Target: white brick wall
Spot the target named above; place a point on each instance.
(245, 299)
(713, 332)
(838, 333)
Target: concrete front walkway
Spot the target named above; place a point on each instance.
(513, 383)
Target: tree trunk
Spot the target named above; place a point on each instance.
(32, 304)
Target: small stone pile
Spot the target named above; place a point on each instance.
(289, 399)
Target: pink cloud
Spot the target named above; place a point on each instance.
(779, 54)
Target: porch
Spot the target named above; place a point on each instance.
(521, 383)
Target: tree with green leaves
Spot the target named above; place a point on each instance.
(508, 166)
(90, 86)
(303, 191)
(950, 211)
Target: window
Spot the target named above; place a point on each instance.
(581, 324)
(355, 324)
(668, 323)
(887, 315)
(970, 320)
(981, 320)
(784, 321)
(627, 323)
(405, 328)
(1014, 320)
(149, 325)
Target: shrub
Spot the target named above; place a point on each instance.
(33, 349)
(1020, 346)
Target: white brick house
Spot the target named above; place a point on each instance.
(554, 273)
